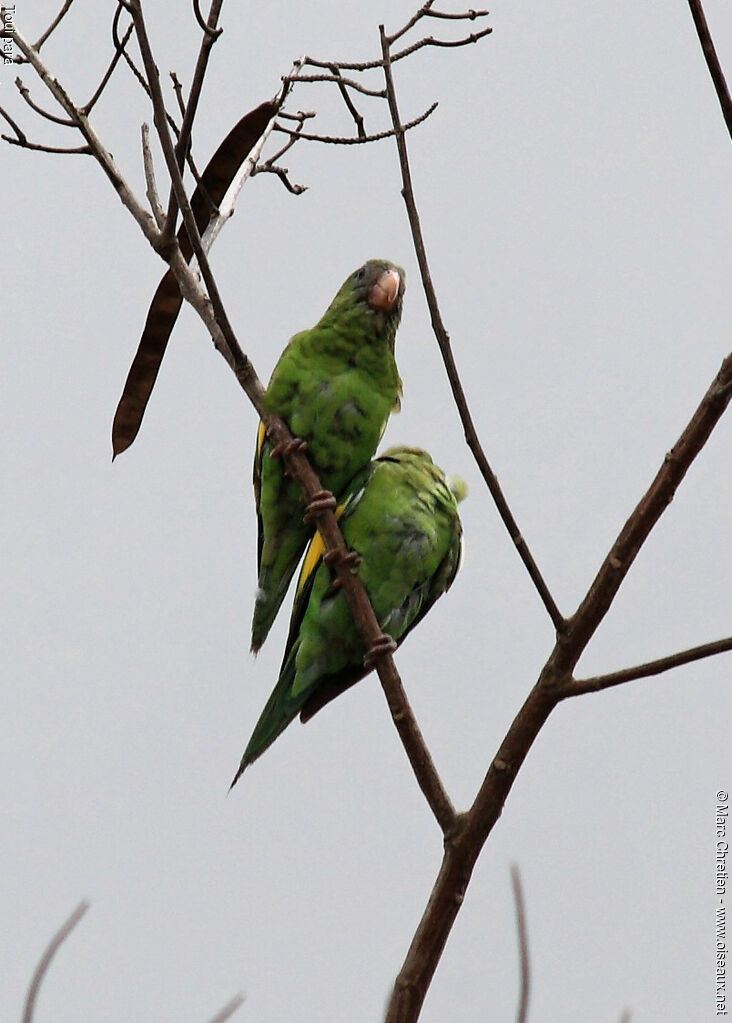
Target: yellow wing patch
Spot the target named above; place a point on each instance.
(314, 553)
(261, 434)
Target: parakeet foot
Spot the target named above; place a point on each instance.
(349, 559)
(383, 644)
(322, 501)
(289, 447)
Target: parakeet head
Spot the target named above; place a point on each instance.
(373, 295)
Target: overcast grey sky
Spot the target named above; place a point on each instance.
(575, 189)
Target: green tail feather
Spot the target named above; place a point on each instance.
(279, 711)
(270, 594)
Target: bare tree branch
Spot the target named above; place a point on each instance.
(65, 122)
(120, 46)
(522, 1012)
(443, 340)
(118, 51)
(474, 37)
(710, 55)
(22, 141)
(350, 140)
(213, 33)
(461, 16)
(184, 139)
(474, 827)
(350, 105)
(46, 959)
(301, 116)
(54, 25)
(426, 12)
(228, 1010)
(281, 173)
(343, 65)
(575, 687)
(152, 189)
(178, 90)
(340, 80)
(270, 166)
(103, 157)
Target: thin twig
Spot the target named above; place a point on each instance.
(184, 139)
(212, 33)
(522, 1012)
(21, 140)
(409, 24)
(350, 105)
(20, 134)
(119, 46)
(100, 153)
(65, 122)
(301, 118)
(53, 26)
(123, 5)
(46, 959)
(470, 15)
(228, 202)
(443, 340)
(89, 106)
(575, 687)
(228, 1010)
(340, 80)
(301, 115)
(710, 55)
(343, 65)
(281, 173)
(38, 147)
(474, 37)
(349, 140)
(426, 12)
(178, 90)
(152, 189)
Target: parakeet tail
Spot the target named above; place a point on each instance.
(279, 711)
(270, 595)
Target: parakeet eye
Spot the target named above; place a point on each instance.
(360, 274)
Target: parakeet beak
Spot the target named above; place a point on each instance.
(385, 292)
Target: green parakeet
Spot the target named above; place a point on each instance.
(400, 516)
(335, 386)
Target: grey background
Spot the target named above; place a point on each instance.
(574, 185)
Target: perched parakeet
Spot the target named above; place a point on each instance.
(400, 516)
(335, 386)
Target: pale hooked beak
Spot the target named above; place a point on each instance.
(385, 292)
